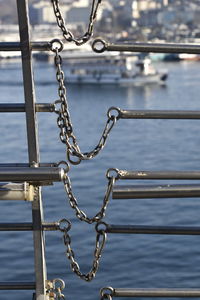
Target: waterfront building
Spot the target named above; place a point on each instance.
(75, 12)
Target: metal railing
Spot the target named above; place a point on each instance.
(100, 46)
(31, 176)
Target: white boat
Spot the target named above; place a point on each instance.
(111, 68)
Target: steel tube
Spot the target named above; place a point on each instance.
(19, 107)
(26, 165)
(100, 46)
(16, 226)
(145, 229)
(156, 191)
(17, 286)
(159, 114)
(33, 148)
(15, 191)
(174, 175)
(17, 46)
(27, 226)
(31, 174)
(156, 293)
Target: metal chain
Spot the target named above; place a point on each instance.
(106, 297)
(64, 121)
(67, 34)
(99, 246)
(81, 215)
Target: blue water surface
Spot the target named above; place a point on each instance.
(128, 261)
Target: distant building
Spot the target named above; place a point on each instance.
(42, 12)
(76, 13)
(145, 12)
(183, 15)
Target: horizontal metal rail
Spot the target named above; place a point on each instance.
(26, 165)
(156, 293)
(156, 191)
(18, 107)
(27, 226)
(100, 46)
(173, 175)
(158, 114)
(32, 175)
(145, 229)
(16, 46)
(17, 286)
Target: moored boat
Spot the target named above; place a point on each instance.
(125, 69)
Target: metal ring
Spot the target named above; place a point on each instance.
(54, 48)
(65, 163)
(116, 109)
(64, 228)
(107, 291)
(112, 170)
(72, 161)
(61, 282)
(57, 111)
(99, 46)
(98, 230)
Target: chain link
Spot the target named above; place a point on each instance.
(67, 34)
(64, 121)
(106, 297)
(81, 215)
(99, 246)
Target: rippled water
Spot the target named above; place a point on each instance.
(128, 260)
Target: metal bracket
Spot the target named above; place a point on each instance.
(49, 288)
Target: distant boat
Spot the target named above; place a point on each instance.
(193, 57)
(164, 57)
(93, 68)
(174, 57)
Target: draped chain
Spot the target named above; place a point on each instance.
(64, 123)
(67, 34)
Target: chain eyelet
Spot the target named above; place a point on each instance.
(101, 224)
(64, 225)
(99, 46)
(116, 171)
(56, 45)
(107, 293)
(116, 109)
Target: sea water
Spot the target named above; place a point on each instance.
(128, 261)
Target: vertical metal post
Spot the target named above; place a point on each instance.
(33, 149)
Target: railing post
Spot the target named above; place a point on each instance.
(33, 149)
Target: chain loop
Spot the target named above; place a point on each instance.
(64, 123)
(74, 203)
(99, 246)
(67, 34)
